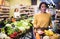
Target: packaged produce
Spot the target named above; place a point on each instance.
(55, 36)
(48, 32)
(4, 36)
(46, 37)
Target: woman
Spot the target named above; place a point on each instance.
(43, 19)
(16, 13)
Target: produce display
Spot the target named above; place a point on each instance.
(13, 29)
(18, 27)
(48, 34)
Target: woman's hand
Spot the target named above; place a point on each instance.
(35, 31)
(36, 27)
(40, 31)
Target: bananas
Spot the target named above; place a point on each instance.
(48, 32)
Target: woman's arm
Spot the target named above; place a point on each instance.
(35, 22)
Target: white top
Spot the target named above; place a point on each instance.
(16, 14)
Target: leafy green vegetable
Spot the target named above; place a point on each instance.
(9, 30)
(22, 28)
(16, 30)
(2, 30)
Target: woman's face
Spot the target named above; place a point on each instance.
(43, 8)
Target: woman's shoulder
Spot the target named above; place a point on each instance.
(37, 14)
(49, 14)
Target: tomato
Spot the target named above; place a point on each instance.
(12, 36)
(15, 33)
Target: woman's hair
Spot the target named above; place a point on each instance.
(16, 9)
(43, 3)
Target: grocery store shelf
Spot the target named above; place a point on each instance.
(26, 9)
(3, 16)
(5, 7)
(4, 13)
(29, 10)
(23, 13)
